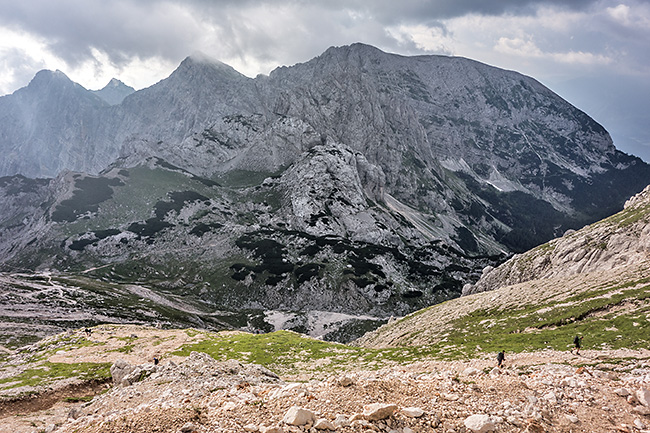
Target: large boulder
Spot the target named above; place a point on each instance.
(120, 370)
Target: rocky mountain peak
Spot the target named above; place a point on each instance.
(114, 92)
(199, 63)
(53, 84)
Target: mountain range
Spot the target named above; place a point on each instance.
(359, 184)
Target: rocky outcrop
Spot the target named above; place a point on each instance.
(622, 240)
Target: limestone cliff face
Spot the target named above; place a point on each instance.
(620, 241)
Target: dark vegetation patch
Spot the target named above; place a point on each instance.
(201, 228)
(269, 251)
(207, 182)
(307, 272)
(149, 228)
(465, 239)
(164, 164)
(98, 235)
(88, 194)
(178, 200)
(80, 244)
(20, 184)
(273, 280)
(533, 221)
(362, 264)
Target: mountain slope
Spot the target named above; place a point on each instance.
(620, 241)
(594, 282)
(49, 125)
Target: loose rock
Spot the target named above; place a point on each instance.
(480, 423)
(299, 416)
(378, 411)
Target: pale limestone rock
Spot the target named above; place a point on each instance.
(251, 428)
(621, 392)
(572, 419)
(550, 397)
(121, 369)
(324, 424)
(643, 396)
(188, 428)
(299, 416)
(641, 410)
(479, 423)
(346, 381)
(378, 411)
(412, 412)
(229, 405)
(341, 421)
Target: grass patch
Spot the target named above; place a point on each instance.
(287, 352)
(608, 318)
(83, 399)
(48, 372)
(62, 342)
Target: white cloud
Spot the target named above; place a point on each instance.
(620, 13)
(528, 49)
(431, 39)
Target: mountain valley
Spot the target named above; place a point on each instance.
(324, 198)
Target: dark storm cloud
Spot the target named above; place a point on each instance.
(122, 30)
(168, 29)
(392, 12)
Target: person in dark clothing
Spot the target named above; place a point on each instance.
(577, 342)
(501, 356)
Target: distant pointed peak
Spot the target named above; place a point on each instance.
(46, 76)
(199, 59)
(117, 84)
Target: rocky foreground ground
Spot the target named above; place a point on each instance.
(548, 391)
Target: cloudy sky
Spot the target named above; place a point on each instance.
(594, 53)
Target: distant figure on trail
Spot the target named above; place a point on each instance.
(577, 341)
(88, 331)
(155, 360)
(501, 356)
